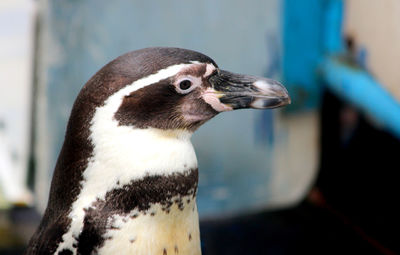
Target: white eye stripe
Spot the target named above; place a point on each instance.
(210, 68)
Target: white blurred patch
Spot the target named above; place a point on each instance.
(16, 43)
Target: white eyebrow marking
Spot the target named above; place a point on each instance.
(210, 68)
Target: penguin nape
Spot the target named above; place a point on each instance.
(126, 178)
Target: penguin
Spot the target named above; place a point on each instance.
(125, 181)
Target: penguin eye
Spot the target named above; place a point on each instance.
(185, 84)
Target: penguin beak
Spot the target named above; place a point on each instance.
(237, 91)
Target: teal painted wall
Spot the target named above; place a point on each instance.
(234, 149)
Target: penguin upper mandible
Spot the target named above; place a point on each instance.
(126, 178)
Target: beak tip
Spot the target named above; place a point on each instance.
(272, 94)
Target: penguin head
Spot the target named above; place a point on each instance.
(174, 88)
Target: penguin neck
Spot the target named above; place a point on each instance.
(134, 156)
(124, 154)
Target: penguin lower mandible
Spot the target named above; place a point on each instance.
(126, 178)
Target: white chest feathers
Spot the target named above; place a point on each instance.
(139, 187)
(156, 231)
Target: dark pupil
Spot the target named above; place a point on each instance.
(185, 84)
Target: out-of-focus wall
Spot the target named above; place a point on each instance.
(374, 26)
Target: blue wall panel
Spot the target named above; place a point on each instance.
(302, 50)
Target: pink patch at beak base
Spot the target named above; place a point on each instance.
(210, 96)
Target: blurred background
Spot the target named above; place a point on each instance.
(317, 177)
